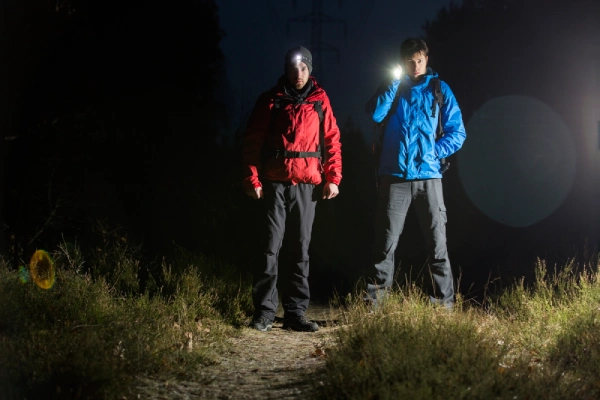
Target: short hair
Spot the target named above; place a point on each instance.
(411, 46)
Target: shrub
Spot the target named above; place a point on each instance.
(91, 333)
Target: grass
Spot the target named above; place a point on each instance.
(97, 329)
(538, 342)
(91, 333)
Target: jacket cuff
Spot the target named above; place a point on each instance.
(251, 184)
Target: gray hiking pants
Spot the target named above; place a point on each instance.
(395, 197)
(290, 210)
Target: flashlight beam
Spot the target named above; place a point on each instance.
(397, 72)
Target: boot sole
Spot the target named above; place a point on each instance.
(267, 329)
(299, 329)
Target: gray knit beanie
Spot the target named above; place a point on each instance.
(299, 53)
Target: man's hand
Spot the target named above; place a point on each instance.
(257, 193)
(330, 190)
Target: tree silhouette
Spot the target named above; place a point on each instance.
(116, 116)
(489, 48)
(547, 50)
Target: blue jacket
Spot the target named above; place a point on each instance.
(409, 149)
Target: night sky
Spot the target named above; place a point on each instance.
(257, 38)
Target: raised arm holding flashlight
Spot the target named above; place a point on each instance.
(409, 108)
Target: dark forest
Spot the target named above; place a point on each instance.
(113, 111)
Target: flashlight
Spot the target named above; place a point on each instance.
(397, 72)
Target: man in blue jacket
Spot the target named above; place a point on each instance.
(410, 167)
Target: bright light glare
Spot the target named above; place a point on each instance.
(526, 149)
(397, 72)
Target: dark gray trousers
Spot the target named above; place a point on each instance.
(291, 210)
(395, 197)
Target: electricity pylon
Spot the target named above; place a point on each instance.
(317, 18)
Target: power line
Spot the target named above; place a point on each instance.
(272, 12)
(362, 24)
(317, 18)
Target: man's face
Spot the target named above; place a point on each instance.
(297, 74)
(416, 65)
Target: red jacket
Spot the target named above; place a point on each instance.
(295, 128)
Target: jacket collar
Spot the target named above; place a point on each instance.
(290, 91)
(282, 89)
(423, 82)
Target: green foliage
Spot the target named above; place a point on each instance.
(534, 343)
(193, 276)
(546, 293)
(94, 331)
(409, 350)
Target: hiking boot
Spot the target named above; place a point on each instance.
(300, 324)
(262, 324)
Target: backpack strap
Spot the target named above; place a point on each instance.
(438, 96)
(319, 109)
(266, 150)
(277, 106)
(438, 101)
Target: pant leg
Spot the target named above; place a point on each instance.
(431, 211)
(394, 199)
(296, 291)
(264, 288)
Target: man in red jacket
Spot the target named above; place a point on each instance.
(291, 144)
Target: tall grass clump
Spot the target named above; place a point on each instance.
(94, 331)
(531, 342)
(228, 288)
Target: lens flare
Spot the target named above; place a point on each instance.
(23, 274)
(519, 161)
(42, 269)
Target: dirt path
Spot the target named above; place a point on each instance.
(271, 365)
